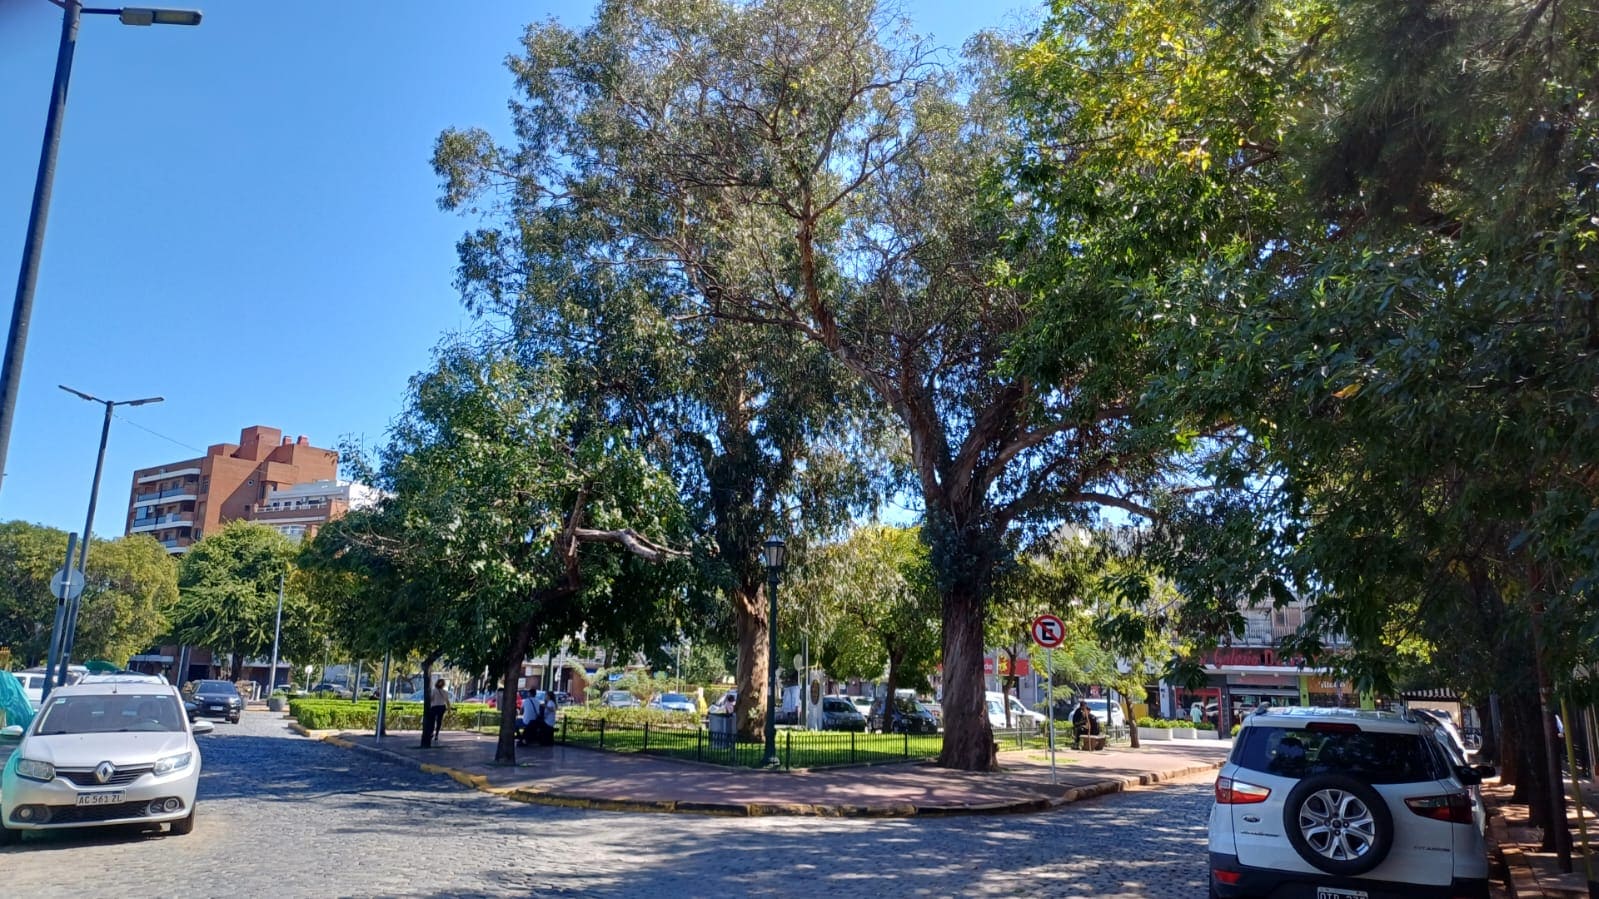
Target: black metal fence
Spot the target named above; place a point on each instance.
(795, 748)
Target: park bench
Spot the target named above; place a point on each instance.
(1093, 742)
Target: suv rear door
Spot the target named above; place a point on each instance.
(1398, 766)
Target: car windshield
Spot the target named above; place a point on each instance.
(837, 705)
(109, 713)
(673, 697)
(215, 686)
(1369, 756)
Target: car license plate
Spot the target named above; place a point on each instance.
(100, 798)
(1336, 893)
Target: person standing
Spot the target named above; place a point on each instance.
(1197, 713)
(438, 705)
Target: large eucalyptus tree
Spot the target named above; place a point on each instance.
(808, 168)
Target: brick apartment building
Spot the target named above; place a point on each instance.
(280, 481)
(179, 502)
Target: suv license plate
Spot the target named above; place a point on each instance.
(1336, 893)
(100, 798)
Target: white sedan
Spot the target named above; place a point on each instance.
(116, 752)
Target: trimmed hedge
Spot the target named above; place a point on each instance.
(1166, 723)
(342, 714)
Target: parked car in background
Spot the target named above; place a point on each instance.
(1346, 803)
(117, 752)
(619, 699)
(328, 688)
(838, 713)
(1446, 730)
(1108, 713)
(672, 702)
(217, 699)
(1020, 716)
(862, 703)
(32, 681)
(909, 716)
(726, 703)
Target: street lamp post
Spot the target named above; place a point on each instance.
(774, 553)
(33, 244)
(69, 630)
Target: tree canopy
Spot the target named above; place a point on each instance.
(131, 587)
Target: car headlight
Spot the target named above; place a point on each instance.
(173, 763)
(43, 772)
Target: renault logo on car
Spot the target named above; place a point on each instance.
(104, 771)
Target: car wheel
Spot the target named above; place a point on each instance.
(233, 721)
(1338, 824)
(9, 837)
(184, 826)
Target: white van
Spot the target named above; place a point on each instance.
(32, 681)
(1020, 715)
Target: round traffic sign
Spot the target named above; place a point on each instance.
(1049, 631)
(69, 578)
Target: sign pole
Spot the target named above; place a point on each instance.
(1049, 694)
(1049, 632)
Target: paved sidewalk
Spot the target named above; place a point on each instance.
(1531, 871)
(572, 776)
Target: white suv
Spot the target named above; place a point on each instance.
(1345, 804)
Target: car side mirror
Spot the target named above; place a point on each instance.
(1468, 776)
(1485, 771)
(11, 732)
(202, 727)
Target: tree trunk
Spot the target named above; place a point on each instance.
(968, 738)
(1127, 714)
(749, 614)
(890, 688)
(505, 747)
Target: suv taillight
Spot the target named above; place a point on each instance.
(1236, 792)
(1454, 808)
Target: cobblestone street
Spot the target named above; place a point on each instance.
(280, 815)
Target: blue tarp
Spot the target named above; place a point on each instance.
(14, 701)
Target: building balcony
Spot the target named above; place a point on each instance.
(159, 522)
(174, 547)
(164, 475)
(174, 495)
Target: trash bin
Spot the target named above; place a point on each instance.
(723, 733)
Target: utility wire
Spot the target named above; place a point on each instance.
(130, 421)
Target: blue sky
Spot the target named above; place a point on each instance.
(244, 221)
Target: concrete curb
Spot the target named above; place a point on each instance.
(767, 809)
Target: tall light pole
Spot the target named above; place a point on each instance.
(774, 554)
(277, 632)
(69, 630)
(33, 245)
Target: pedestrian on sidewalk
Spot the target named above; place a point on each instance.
(438, 706)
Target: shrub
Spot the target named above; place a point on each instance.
(1204, 725)
(1147, 721)
(593, 715)
(342, 714)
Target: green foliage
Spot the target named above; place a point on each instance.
(871, 602)
(342, 714)
(829, 191)
(513, 520)
(228, 594)
(130, 589)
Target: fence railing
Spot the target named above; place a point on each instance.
(795, 748)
